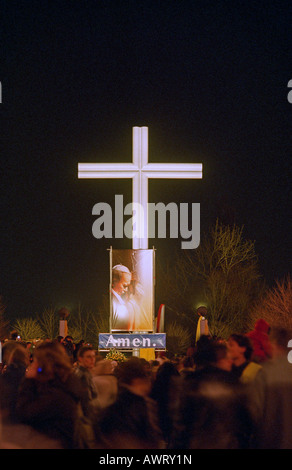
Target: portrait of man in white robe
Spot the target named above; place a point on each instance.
(132, 291)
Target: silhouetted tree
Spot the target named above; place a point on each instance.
(275, 306)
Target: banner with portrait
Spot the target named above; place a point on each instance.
(132, 290)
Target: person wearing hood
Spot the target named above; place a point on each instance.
(259, 337)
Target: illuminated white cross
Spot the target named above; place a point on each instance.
(139, 171)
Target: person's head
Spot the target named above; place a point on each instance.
(240, 347)
(121, 279)
(165, 375)
(13, 335)
(103, 367)
(86, 357)
(19, 356)
(68, 339)
(7, 350)
(50, 361)
(262, 326)
(222, 356)
(202, 311)
(204, 354)
(279, 339)
(133, 375)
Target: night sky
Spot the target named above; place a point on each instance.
(209, 79)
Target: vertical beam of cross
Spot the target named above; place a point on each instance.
(140, 171)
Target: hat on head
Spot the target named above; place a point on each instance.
(121, 268)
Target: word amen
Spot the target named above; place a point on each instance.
(178, 221)
(124, 340)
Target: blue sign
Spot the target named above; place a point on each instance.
(132, 340)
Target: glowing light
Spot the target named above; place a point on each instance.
(140, 171)
(201, 304)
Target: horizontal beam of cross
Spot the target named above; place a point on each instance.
(139, 170)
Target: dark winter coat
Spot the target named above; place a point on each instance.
(50, 408)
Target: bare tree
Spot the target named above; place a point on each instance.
(48, 321)
(87, 324)
(275, 306)
(28, 329)
(225, 269)
(79, 324)
(178, 339)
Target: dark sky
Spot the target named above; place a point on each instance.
(209, 79)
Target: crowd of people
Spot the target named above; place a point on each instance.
(222, 394)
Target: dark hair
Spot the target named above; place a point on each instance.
(243, 342)
(68, 337)
(53, 361)
(220, 350)
(204, 354)
(19, 355)
(133, 368)
(83, 350)
(280, 336)
(13, 335)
